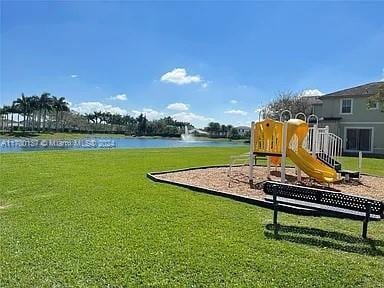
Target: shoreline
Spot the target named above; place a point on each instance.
(74, 136)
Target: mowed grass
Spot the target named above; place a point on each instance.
(370, 166)
(93, 219)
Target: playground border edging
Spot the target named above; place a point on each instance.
(240, 198)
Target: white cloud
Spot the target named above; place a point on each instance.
(236, 112)
(246, 123)
(178, 107)
(204, 85)
(179, 76)
(90, 107)
(184, 116)
(233, 101)
(149, 113)
(195, 119)
(74, 76)
(311, 92)
(382, 74)
(121, 97)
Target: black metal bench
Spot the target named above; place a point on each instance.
(330, 203)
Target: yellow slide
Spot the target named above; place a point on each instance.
(311, 166)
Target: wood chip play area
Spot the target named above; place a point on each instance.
(237, 183)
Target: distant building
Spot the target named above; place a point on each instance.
(243, 130)
(349, 115)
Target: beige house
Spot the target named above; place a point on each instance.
(349, 115)
(243, 130)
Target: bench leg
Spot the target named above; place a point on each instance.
(366, 220)
(275, 211)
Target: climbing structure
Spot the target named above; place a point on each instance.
(278, 140)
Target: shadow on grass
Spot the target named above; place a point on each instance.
(20, 134)
(327, 239)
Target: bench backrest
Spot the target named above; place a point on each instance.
(325, 197)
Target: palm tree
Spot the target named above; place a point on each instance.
(2, 112)
(223, 130)
(12, 110)
(229, 129)
(141, 124)
(45, 106)
(6, 111)
(214, 128)
(59, 105)
(18, 111)
(34, 110)
(97, 115)
(130, 123)
(22, 104)
(105, 119)
(90, 117)
(115, 119)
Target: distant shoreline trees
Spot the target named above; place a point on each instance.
(48, 113)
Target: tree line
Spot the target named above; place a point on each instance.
(37, 112)
(217, 130)
(48, 113)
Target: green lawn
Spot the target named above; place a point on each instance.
(369, 165)
(86, 219)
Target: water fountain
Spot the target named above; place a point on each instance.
(186, 136)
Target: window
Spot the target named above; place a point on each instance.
(374, 105)
(346, 106)
(358, 139)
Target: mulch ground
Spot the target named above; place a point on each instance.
(236, 182)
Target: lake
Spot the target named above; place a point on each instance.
(17, 145)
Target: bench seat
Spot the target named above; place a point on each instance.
(329, 203)
(325, 210)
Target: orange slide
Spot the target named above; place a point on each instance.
(275, 160)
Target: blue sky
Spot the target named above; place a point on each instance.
(197, 61)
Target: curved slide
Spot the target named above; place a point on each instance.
(311, 166)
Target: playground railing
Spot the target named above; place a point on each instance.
(311, 142)
(324, 145)
(330, 147)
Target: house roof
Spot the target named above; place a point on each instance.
(362, 90)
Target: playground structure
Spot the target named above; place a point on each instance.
(313, 150)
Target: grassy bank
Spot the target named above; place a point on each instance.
(92, 218)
